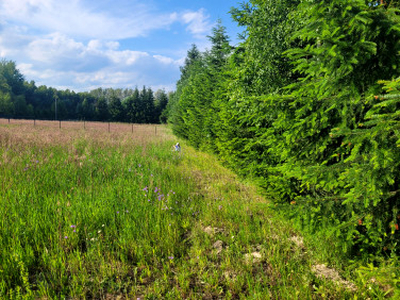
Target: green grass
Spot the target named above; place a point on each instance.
(100, 215)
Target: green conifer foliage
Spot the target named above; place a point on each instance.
(293, 106)
(258, 68)
(348, 46)
(194, 111)
(177, 107)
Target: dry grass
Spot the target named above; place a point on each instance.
(48, 133)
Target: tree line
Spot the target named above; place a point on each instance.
(308, 106)
(22, 99)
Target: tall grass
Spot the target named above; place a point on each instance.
(93, 214)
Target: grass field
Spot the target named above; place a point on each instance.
(88, 213)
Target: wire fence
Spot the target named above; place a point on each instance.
(150, 129)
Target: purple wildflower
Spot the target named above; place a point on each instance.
(170, 257)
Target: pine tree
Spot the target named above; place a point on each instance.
(176, 108)
(102, 113)
(147, 98)
(116, 109)
(194, 114)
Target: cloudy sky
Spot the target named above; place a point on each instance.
(85, 44)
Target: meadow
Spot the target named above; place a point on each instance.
(92, 212)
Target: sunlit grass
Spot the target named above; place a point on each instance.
(89, 213)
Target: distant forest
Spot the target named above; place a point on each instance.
(22, 99)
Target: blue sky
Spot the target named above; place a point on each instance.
(84, 44)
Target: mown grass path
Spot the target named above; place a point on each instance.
(90, 214)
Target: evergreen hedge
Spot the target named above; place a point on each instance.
(308, 105)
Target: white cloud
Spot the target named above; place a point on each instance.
(198, 22)
(164, 59)
(97, 46)
(83, 18)
(62, 62)
(94, 45)
(27, 70)
(112, 45)
(76, 44)
(55, 46)
(126, 57)
(79, 18)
